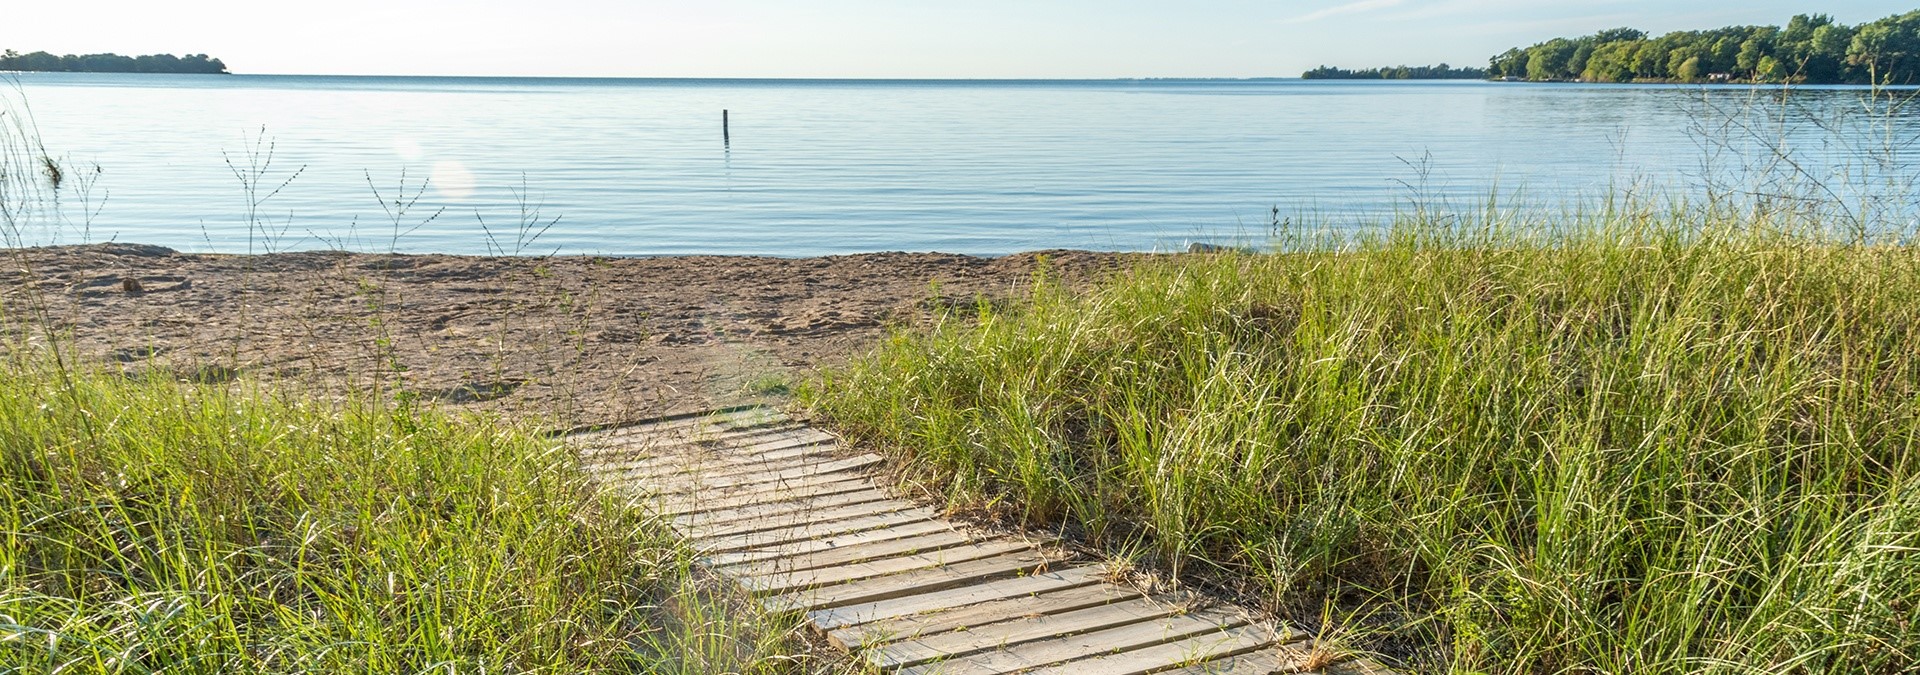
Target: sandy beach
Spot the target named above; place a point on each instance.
(576, 340)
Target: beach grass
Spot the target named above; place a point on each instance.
(1635, 438)
(148, 525)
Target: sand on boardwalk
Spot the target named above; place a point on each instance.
(576, 340)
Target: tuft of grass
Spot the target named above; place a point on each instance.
(148, 525)
(1646, 440)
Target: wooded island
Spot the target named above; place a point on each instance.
(44, 62)
(1810, 49)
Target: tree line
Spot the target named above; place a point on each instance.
(1439, 72)
(1811, 49)
(110, 63)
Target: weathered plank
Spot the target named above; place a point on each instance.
(917, 582)
(853, 553)
(1007, 633)
(678, 503)
(740, 418)
(689, 459)
(799, 518)
(696, 501)
(691, 441)
(696, 482)
(780, 507)
(790, 581)
(776, 461)
(982, 614)
(1083, 645)
(683, 467)
(686, 433)
(828, 619)
(827, 543)
(1197, 649)
(758, 446)
(811, 531)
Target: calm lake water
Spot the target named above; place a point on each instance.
(638, 167)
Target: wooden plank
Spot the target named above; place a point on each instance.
(681, 468)
(828, 619)
(692, 482)
(982, 614)
(1007, 633)
(766, 491)
(699, 457)
(918, 582)
(828, 543)
(1193, 650)
(799, 518)
(706, 462)
(721, 438)
(688, 503)
(849, 554)
(655, 466)
(757, 417)
(734, 436)
(786, 581)
(755, 446)
(690, 426)
(679, 420)
(782, 507)
(798, 448)
(811, 531)
(679, 440)
(773, 437)
(728, 419)
(1081, 646)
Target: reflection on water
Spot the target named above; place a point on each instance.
(818, 167)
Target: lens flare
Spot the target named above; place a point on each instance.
(452, 181)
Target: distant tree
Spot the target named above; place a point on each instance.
(1689, 70)
(1620, 35)
(41, 61)
(1549, 60)
(110, 63)
(1725, 53)
(1439, 72)
(1650, 61)
(1511, 63)
(1770, 70)
(1811, 48)
(1886, 49)
(1611, 62)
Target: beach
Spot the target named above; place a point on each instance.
(574, 340)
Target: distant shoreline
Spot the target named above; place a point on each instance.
(156, 64)
(983, 81)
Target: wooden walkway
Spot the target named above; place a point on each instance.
(795, 519)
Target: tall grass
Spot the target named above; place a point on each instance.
(1638, 440)
(149, 526)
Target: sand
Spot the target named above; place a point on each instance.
(569, 340)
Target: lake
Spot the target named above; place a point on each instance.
(812, 167)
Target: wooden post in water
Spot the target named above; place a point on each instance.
(726, 136)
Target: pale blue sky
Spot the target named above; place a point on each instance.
(857, 38)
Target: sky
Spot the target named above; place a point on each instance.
(857, 38)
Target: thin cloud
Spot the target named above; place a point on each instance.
(1349, 8)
